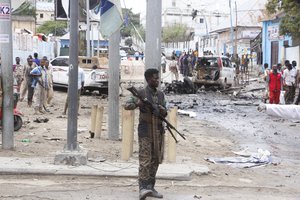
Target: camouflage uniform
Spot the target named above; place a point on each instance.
(151, 135)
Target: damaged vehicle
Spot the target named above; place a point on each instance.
(213, 71)
(95, 79)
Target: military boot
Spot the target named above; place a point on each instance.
(154, 193)
(145, 193)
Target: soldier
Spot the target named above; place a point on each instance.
(18, 73)
(26, 83)
(150, 133)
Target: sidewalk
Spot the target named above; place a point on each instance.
(45, 166)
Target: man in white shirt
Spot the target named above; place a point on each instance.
(288, 83)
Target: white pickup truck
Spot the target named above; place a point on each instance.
(94, 79)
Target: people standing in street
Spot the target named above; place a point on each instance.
(49, 87)
(80, 87)
(174, 68)
(26, 84)
(150, 133)
(180, 62)
(274, 85)
(266, 79)
(18, 73)
(36, 60)
(185, 61)
(40, 83)
(297, 92)
(163, 62)
(288, 83)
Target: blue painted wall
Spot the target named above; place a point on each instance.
(266, 42)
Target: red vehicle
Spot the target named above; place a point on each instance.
(18, 122)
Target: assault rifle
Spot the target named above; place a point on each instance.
(169, 126)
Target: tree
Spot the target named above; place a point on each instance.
(290, 22)
(57, 28)
(175, 33)
(131, 22)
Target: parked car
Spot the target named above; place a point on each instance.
(95, 79)
(213, 71)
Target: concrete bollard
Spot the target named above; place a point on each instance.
(172, 118)
(127, 133)
(99, 120)
(93, 120)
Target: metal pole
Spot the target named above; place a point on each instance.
(6, 55)
(231, 28)
(98, 46)
(88, 29)
(113, 86)
(236, 29)
(73, 78)
(92, 46)
(153, 35)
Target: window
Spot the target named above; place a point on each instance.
(41, 15)
(201, 21)
(60, 62)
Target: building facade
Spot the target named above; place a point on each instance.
(273, 44)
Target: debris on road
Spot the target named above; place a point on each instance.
(188, 113)
(41, 120)
(261, 157)
(284, 111)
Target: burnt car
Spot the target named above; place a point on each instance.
(213, 71)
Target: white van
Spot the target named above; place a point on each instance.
(94, 79)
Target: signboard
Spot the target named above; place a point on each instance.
(5, 12)
(273, 33)
(250, 34)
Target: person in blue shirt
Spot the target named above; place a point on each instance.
(36, 60)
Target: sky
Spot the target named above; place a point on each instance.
(136, 5)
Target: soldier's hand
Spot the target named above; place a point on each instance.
(162, 111)
(139, 103)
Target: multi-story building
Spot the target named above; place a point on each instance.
(44, 11)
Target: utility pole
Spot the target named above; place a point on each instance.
(113, 85)
(236, 29)
(231, 28)
(88, 29)
(6, 55)
(73, 78)
(153, 35)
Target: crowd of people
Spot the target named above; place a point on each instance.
(183, 63)
(282, 83)
(35, 78)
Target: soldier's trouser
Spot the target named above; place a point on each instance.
(48, 95)
(148, 164)
(30, 92)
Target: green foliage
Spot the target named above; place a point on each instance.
(174, 33)
(290, 22)
(57, 28)
(133, 21)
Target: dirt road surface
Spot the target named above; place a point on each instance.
(224, 123)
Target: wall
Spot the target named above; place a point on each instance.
(25, 45)
(293, 53)
(23, 22)
(268, 36)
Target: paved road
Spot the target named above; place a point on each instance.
(79, 188)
